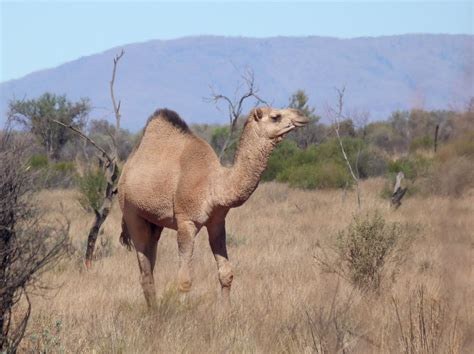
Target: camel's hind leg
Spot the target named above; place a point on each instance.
(217, 240)
(145, 238)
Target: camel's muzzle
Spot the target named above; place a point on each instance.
(299, 121)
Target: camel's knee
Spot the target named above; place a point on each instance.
(226, 275)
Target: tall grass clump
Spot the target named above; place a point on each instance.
(425, 324)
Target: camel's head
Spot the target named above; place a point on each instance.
(274, 124)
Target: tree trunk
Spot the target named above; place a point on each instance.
(102, 213)
(398, 191)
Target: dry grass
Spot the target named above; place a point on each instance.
(282, 302)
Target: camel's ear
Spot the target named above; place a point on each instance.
(257, 113)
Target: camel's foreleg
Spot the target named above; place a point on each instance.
(186, 233)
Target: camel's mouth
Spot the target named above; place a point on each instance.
(287, 130)
(300, 121)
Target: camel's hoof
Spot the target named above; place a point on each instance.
(185, 286)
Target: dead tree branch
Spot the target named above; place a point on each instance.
(116, 106)
(109, 165)
(111, 174)
(105, 157)
(235, 106)
(338, 115)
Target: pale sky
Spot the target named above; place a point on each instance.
(42, 34)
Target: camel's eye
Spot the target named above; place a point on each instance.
(276, 118)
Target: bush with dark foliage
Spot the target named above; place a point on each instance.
(27, 246)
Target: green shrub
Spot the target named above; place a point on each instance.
(425, 142)
(280, 160)
(66, 167)
(60, 174)
(371, 163)
(92, 186)
(323, 166)
(39, 161)
(368, 251)
(219, 137)
(412, 166)
(404, 165)
(50, 174)
(48, 339)
(321, 176)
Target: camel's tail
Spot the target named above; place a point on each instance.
(125, 236)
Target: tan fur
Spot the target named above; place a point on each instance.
(174, 179)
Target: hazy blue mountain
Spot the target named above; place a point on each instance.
(381, 74)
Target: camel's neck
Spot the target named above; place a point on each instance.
(250, 161)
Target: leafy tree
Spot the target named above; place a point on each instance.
(219, 137)
(346, 129)
(299, 100)
(308, 134)
(37, 116)
(220, 140)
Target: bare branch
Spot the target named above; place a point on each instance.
(111, 174)
(337, 127)
(235, 106)
(28, 246)
(338, 114)
(85, 137)
(116, 105)
(111, 169)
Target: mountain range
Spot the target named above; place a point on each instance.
(381, 74)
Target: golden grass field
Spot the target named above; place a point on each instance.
(281, 299)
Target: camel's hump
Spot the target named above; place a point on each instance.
(171, 117)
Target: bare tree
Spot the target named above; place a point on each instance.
(27, 246)
(109, 165)
(235, 105)
(337, 115)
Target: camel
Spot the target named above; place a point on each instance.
(175, 180)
